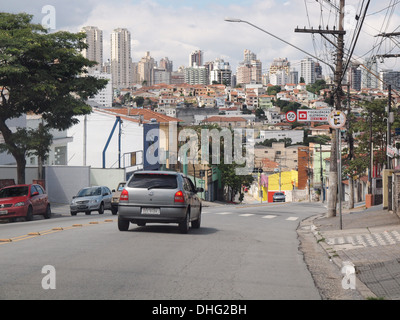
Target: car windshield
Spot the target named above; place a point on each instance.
(153, 180)
(87, 192)
(14, 192)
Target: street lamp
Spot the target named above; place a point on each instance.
(276, 37)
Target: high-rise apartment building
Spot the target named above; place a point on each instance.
(221, 72)
(307, 70)
(280, 64)
(250, 70)
(369, 78)
(389, 77)
(196, 58)
(196, 75)
(145, 70)
(121, 58)
(354, 77)
(94, 51)
(166, 64)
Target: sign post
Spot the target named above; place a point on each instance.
(337, 119)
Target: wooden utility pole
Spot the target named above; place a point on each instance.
(333, 172)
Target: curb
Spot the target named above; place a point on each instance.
(360, 286)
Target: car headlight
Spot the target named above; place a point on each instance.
(19, 204)
(94, 201)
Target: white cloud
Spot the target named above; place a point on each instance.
(174, 28)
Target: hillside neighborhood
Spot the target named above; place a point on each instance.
(300, 169)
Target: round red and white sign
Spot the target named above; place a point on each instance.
(291, 116)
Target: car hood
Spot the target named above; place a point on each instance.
(12, 199)
(88, 198)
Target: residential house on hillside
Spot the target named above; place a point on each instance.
(227, 122)
(289, 158)
(265, 101)
(320, 130)
(297, 136)
(205, 101)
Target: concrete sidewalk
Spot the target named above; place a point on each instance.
(370, 240)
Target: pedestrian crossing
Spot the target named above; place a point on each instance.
(247, 215)
(368, 240)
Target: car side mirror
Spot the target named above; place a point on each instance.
(113, 190)
(35, 194)
(199, 190)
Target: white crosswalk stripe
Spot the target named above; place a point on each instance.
(254, 215)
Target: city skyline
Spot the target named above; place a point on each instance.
(176, 28)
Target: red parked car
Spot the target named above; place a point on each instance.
(24, 200)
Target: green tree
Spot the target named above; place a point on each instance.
(317, 86)
(41, 73)
(372, 122)
(273, 90)
(229, 178)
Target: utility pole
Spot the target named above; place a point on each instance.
(389, 122)
(333, 172)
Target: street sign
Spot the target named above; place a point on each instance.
(315, 115)
(336, 119)
(291, 116)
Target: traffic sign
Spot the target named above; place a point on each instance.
(337, 119)
(315, 115)
(291, 116)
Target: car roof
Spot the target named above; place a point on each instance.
(159, 172)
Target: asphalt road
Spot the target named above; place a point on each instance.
(240, 252)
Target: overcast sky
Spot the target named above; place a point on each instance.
(175, 28)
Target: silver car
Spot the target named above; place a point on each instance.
(159, 197)
(91, 199)
(279, 197)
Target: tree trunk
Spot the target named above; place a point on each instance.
(15, 151)
(21, 164)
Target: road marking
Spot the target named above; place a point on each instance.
(31, 235)
(292, 218)
(223, 213)
(246, 214)
(270, 216)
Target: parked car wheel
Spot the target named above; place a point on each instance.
(73, 213)
(29, 214)
(47, 214)
(123, 225)
(101, 209)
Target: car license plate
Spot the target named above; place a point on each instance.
(3, 212)
(150, 210)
